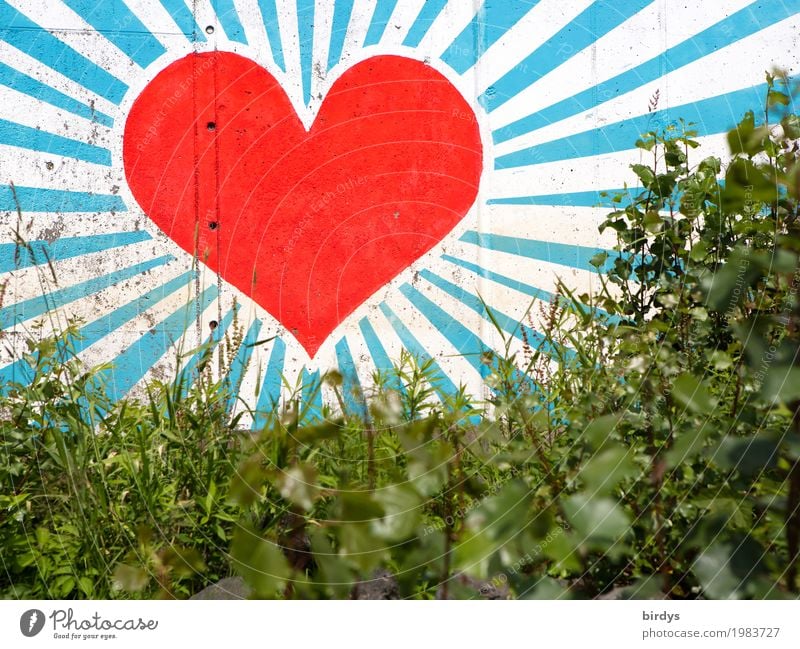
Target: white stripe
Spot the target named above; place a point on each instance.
(290, 38)
(401, 20)
(323, 23)
(156, 18)
(535, 272)
(70, 28)
(357, 28)
(28, 168)
(450, 359)
(23, 109)
(599, 172)
(130, 332)
(686, 84)
(254, 29)
(540, 23)
(26, 64)
(445, 29)
(565, 224)
(498, 298)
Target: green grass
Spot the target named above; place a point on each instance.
(657, 454)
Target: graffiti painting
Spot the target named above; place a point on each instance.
(336, 180)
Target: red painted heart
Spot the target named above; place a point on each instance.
(308, 223)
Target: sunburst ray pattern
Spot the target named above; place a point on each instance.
(559, 91)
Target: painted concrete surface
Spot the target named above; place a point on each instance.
(333, 181)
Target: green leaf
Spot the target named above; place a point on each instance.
(699, 251)
(775, 98)
(319, 432)
(600, 430)
(720, 360)
(747, 188)
(749, 455)
(693, 394)
(259, 562)
(726, 569)
(184, 562)
(653, 222)
(402, 506)
(728, 286)
(645, 174)
(606, 469)
(687, 444)
(298, 485)
(130, 578)
(598, 521)
(648, 143)
(746, 137)
(357, 507)
(493, 525)
(791, 126)
(599, 260)
(358, 543)
(333, 571)
(247, 482)
(564, 551)
(782, 383)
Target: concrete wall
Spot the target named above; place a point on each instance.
(340, 178)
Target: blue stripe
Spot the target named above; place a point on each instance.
(506, 322)
(233, 381)
(311, 398)
(229, 19)
(743, 23)
(427, 15)
(15, 256)
(342, 10)
(528, 289)
(380, 18)
(490, 24)
(590, 198)
(41, 91)
(120, 26)
(441, 382)
(22, 372)
(380, 358)
(131, 365)
(188, 374)
(25, 137)
(305, 32)
(24, 34)
(184, 19)
(21, 311)
(352, 394)
(19, 372)
(269, 399)
(708, 117)
(596, 21)
(102, 327)
(470, 346)
(269, 16)
(39, 199)
(550, 251)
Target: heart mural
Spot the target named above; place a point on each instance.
(308, 223)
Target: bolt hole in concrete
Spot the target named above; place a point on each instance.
(210, 29)
(213, 225)
(211, 126)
